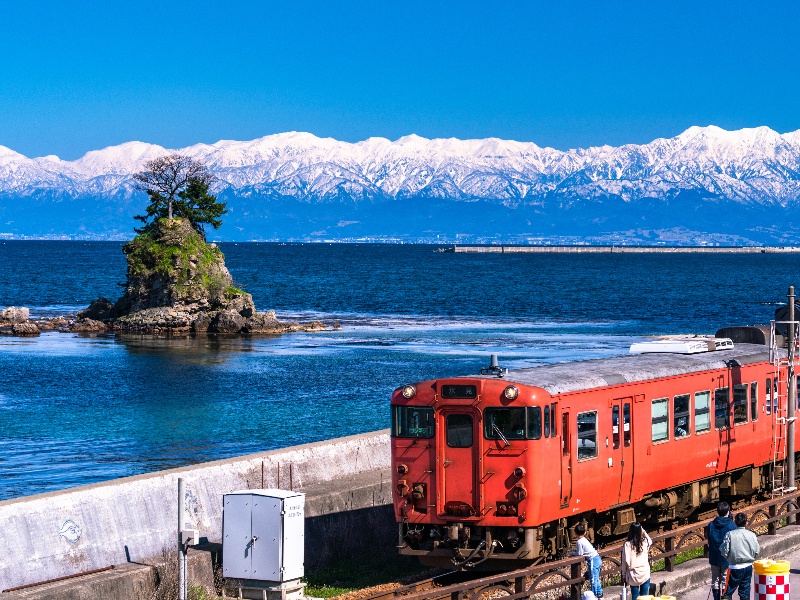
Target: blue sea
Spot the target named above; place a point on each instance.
(77, 409)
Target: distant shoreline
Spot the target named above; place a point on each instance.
(478, 248)
(631, 249)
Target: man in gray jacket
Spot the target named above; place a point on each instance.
(740, 548)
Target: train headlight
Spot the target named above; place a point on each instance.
(402, 469)
(519, 472)
(511, 392)
(409, 391)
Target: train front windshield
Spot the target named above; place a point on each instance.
(412, 422)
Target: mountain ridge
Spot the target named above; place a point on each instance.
(752, 171)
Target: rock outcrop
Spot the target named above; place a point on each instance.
(178, 284)
(24, 329)
(88, 326)
(14, 321)
(99, 310)
(13, 314)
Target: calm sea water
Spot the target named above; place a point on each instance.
(77, 409)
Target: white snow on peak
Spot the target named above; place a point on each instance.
(124, 159)
(749, 165)
(8, 154)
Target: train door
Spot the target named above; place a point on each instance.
(566, 457)
(460, 450)
(622, 446)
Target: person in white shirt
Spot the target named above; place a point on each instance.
(593, 560)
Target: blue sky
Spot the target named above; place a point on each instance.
(81, 76)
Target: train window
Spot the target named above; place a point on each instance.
(412, 422)
(775, 395)
(553, 420)
(587, 435)
(459, 431)
(500, 423)
(702, 418)
(660, 420)
(534, 422)
(754, 401)
(680, 416)
(740, 403)
(722, 408)
(615, 426)
(768, 397)
(546, 421)
(626, 424)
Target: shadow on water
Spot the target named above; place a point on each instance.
(192, 345)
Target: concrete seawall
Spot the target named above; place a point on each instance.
(133, 519)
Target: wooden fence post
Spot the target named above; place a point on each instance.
(519, 585)
(576, 572)
(772, 528)
(669, 561)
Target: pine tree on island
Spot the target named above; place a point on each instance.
(178, 186)
(177, 282)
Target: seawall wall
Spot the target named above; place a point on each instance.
(134, 518)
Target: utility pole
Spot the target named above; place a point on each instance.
(182, 547)
(792, 400)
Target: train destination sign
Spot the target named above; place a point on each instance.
(459, 391)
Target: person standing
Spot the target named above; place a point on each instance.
(636, 560)
(715, 534)
(740, 548)
(593, 560)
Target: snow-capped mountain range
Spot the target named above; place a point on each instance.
(540, 191)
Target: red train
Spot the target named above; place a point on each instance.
(499, 467)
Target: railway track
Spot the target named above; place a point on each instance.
(567, 574)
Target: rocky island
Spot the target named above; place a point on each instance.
(177, 282)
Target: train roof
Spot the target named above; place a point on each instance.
(588, 374)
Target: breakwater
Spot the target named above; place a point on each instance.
(134, 519)
(631, 249)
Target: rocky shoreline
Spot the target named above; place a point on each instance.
(16, 321)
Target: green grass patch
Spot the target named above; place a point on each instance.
(682, 557)
(197, 592)
(362, 572)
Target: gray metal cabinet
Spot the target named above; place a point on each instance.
(263, 535)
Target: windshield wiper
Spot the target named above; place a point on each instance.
(496, 429)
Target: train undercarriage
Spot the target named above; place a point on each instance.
(470, 545)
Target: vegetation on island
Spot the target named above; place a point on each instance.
(173, 255)
(177, 282)
(178, 186)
